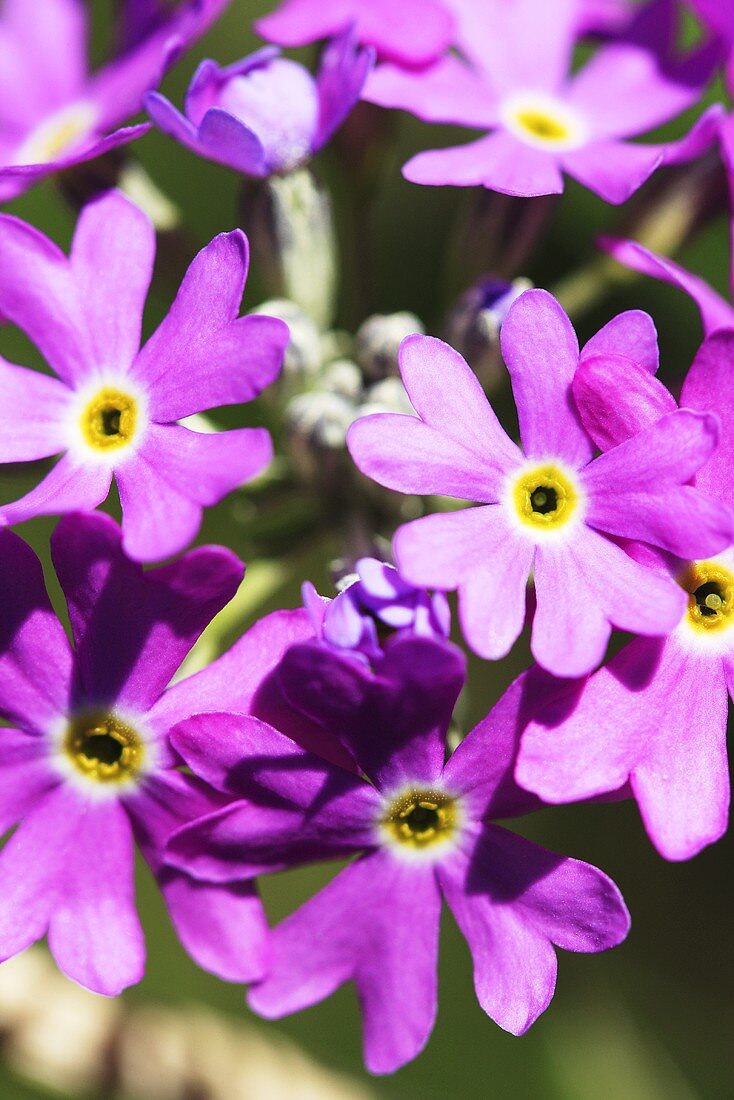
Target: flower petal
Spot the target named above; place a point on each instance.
(614, 170)
(716, 313)
(25, 775)
(632, 335)
(376, 924)
(449, 91)
(541, 351)
(133, 629)
(708, 387)
(617, 398)
(94, 932)
(342, 74)
(112, 258)
(35, 656)
(499, 162)
(228, 359)
(32, 414)
(71, 486)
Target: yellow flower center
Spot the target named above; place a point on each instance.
(58, 134)
(710, 590)
(104, 748)
(543, 125)
(108, 421)
(545, 498)
(421, 819)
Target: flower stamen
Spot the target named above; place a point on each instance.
(109, 420)
(103, 748)
(710, 590)
(420, 819)
(545, 497)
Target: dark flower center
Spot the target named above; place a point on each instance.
(544, 499)
(109, 420)
(710, 589)
(709, 598)
(421, 818)
(103, 747)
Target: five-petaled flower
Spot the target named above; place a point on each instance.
(553, 510)
(113, 410)
(424, 830)
(55, 114)
(546, 121)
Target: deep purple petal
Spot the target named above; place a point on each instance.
(112, 264)
(393, 720)
(35, 656)
(376, 924)
(340, 80)
(541, 351)
(133, 629)
(617, 398)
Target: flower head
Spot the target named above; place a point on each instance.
(376, 605)
(265, 114)
(423, 831)
(87, 767)
(656, 715)
(113, 410)
(55, 113)
(545, 121)
(550, 508)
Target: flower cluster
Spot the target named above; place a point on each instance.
(323, 732)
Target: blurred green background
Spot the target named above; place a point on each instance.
(652, 1019)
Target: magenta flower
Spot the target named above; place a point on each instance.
(423, 832)
(265, 114)
(545, 121)
(87, 767)
(718, 17)
(656, 714)
(548, 509)
(374, 608)
(410, 33)
(56, 114)
(113, 410)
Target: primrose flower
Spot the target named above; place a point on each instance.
(656, 714)
(548, 509)
(718, 17)
(87, 768)
(545, 121)
(375, 607)
(410, 33)
(55, 113)
(423, 832)
(265, 114)
(113, 410)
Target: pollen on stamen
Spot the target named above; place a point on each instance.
(545, 498)
(710, 589)
(109, 420)
(103, 748)
(420, 819)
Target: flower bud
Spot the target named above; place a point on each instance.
(378, 340)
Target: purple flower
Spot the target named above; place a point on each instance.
(375, 607)
(546, 121)
(265, 114)
(423, 832)
(656, 714)
(551, 509)
(113, 410)
(718, 17)
(410, 33)
(87, 767)
(56, 114)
